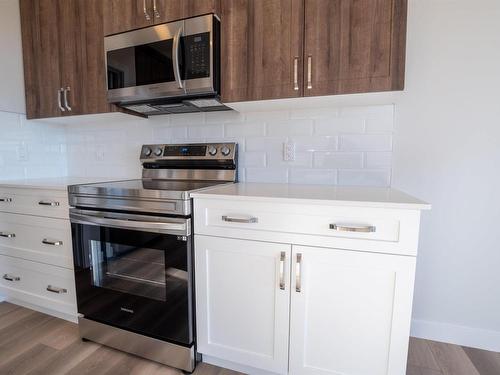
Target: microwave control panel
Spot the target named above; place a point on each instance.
(197, 60)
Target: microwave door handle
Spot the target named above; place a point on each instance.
(175, 54)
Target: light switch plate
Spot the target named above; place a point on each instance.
(288, 151)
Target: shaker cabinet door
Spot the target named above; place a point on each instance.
(242, 301)
(41, 38)
(261, 49)
(354, 46)
(350, 312)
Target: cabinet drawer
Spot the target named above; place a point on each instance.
(37, 283)
(357, 228)
(44, 240)
(48, 203)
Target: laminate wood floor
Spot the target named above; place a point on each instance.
(35, 343)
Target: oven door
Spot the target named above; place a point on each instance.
(168, 60)
(135, 272)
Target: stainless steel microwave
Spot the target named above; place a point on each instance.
(168, 68)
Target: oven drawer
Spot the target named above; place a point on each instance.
(38, 284)
(357, 228)
(48, 203)
(44, 240)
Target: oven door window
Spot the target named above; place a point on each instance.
(135, 280)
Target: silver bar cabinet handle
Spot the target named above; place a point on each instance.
(66, 102)
(11, 278)
(353, 228)
(296, 73)
(55, 289)
(309, 72)
(282, 270)
(175, 53)
(50, 242)
(298, 273)
(59, 99)
(7, 234)
(155, 10)
(6, 200)
(146, 14)
(240, 220)
(48, 203)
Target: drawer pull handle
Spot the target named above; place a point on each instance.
(6, 200)
(48, 203)
(7, 234)
(55, 289)
(353, 228)
(282, 270)
(51, 242)
(298, 273)
(240, 220)
(11, 278)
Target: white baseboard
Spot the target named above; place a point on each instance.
(454, 334)
(57, 314)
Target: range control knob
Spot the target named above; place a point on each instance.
(225, 150)
(147, 151)
(158, 151)
(212, 150)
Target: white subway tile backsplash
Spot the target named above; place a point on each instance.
(365, 142)
(312, 177)
(290, 128)
(338, 160)
(346, 146)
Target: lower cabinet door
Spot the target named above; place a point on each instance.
(350, 312)
(242, 301)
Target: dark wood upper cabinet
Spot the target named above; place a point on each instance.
(126, 15)
(261, 49)
(63, 46)
(354, 46)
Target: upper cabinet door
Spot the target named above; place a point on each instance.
(40, 36)
(354, 46)
(173, 10)
(350, 312)
(261, 55)
(125, 15)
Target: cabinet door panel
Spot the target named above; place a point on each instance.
(354, 46)
(125, 15)
(261, 45)
(351, 305)
(242, 314)
(40, 36)
(173, 10)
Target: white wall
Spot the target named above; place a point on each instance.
(344, 146)
(11, 71)
(447, 152)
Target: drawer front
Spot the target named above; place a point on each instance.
(44, 240)
(48, 203)
(39, 284)
(357, 228)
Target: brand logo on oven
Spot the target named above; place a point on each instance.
(130, 311)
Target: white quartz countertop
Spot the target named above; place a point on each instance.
(52, 183)
(315, 194)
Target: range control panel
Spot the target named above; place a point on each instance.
(199, 151)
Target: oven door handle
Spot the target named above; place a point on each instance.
(175, 228)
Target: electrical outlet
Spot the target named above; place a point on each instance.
(288, 151)
(22, 152)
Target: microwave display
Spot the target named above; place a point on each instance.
(152, 63)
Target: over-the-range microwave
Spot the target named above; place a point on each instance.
(168, 68)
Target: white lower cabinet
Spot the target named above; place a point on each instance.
(350, 312)
(336, 311)
(243, 301)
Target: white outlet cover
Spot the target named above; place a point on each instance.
(22, 152)
(289, 151)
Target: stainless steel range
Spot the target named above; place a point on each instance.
(133, 252)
